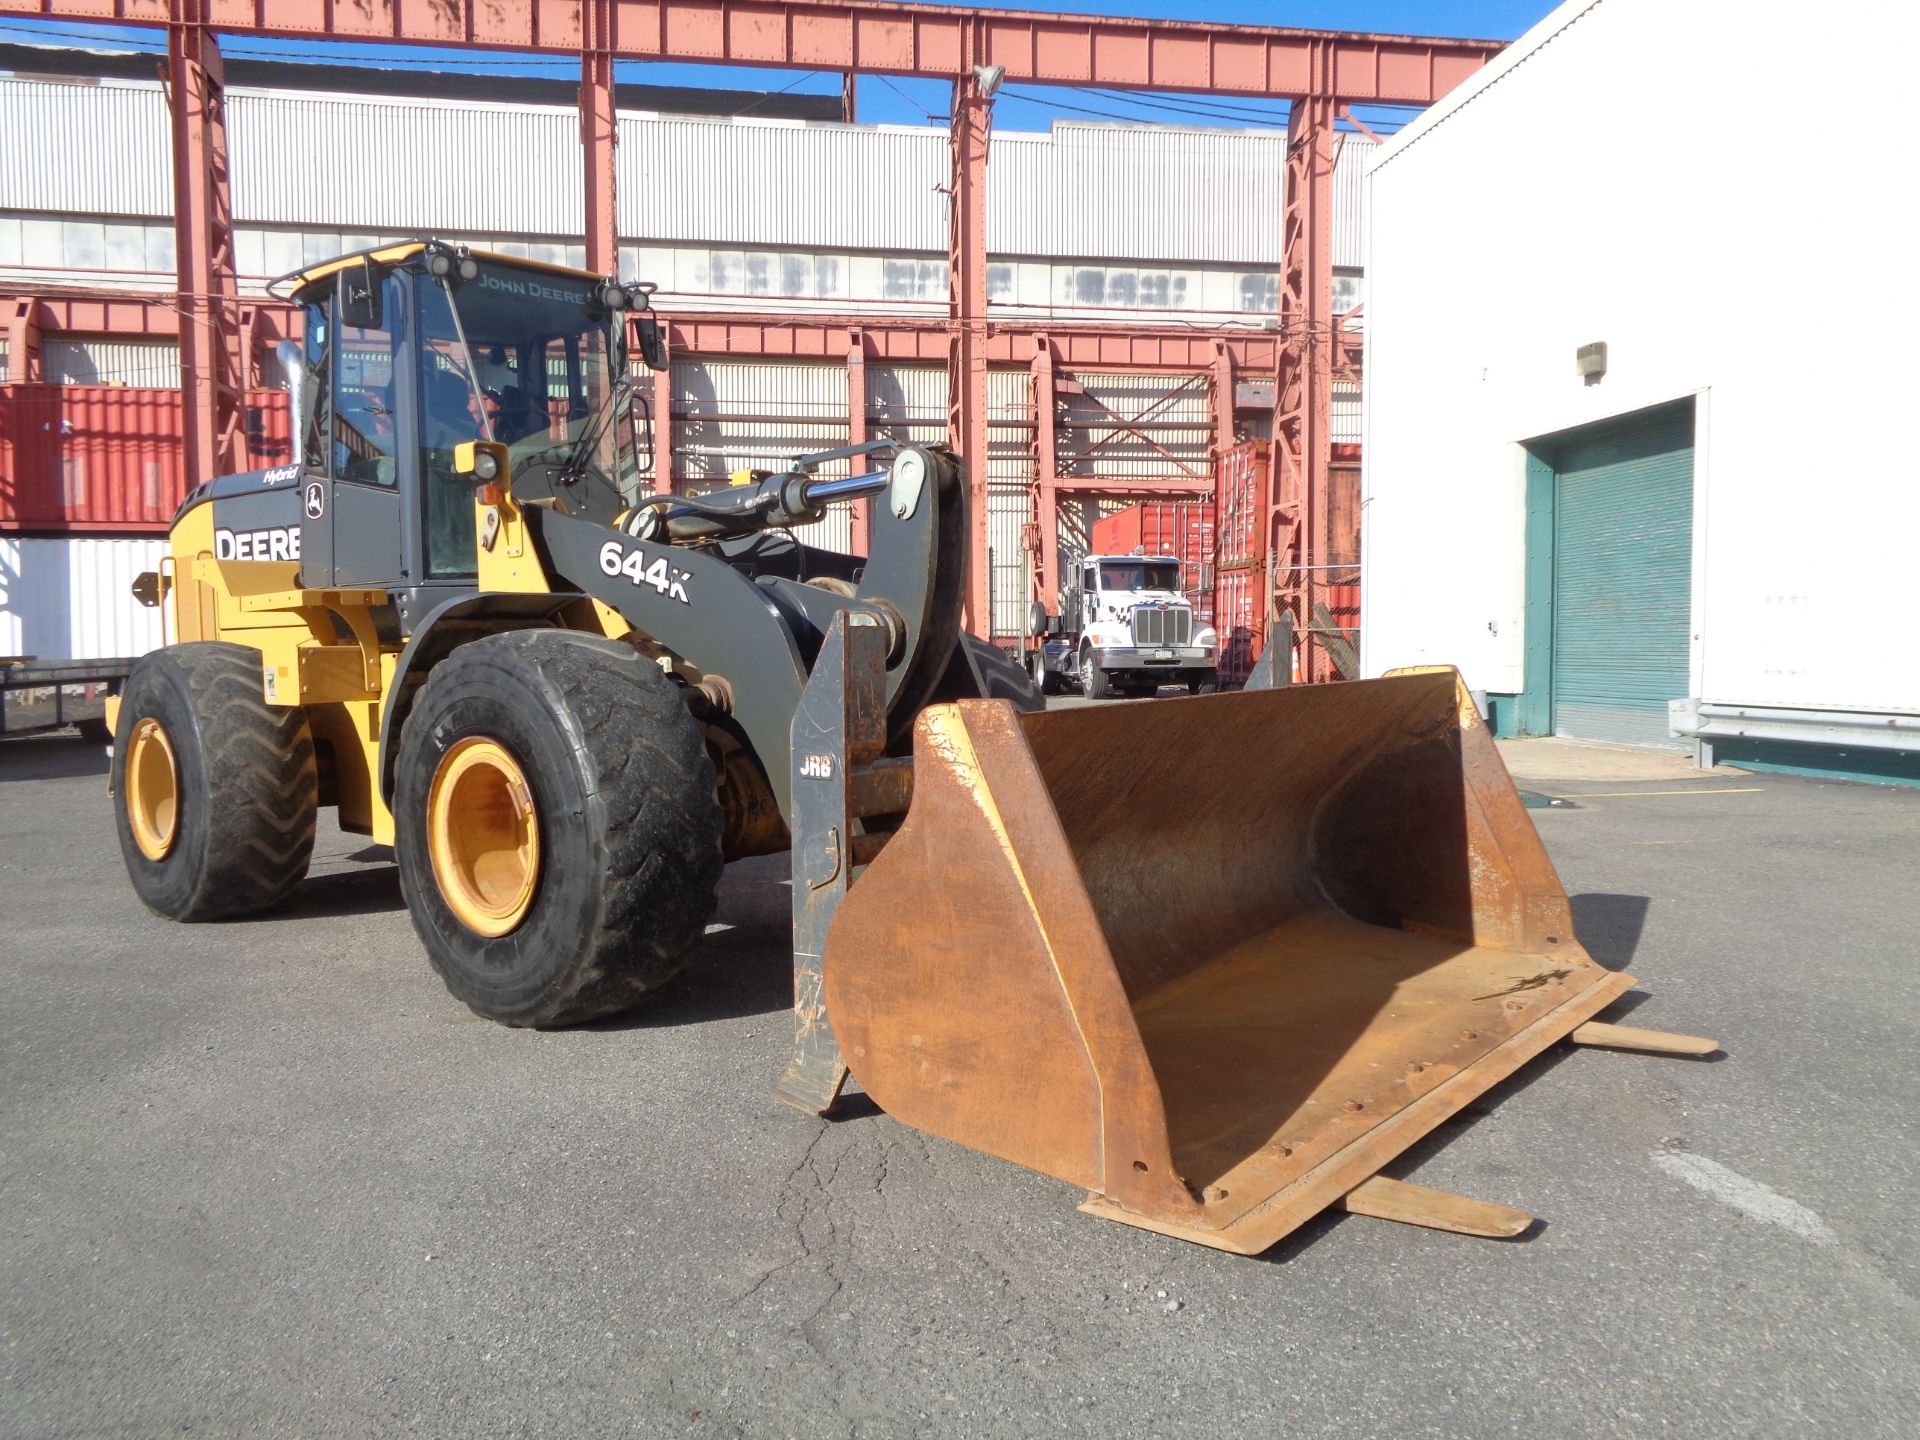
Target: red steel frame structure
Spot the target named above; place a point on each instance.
(1318, 72)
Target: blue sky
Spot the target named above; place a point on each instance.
(1020, 107)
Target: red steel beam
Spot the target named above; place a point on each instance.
(871, 35)
(891, 340)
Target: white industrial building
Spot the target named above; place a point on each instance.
(1605, 472)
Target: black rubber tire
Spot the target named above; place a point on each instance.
(1095, 683)
(1206, 685)
(248, 790)
(629, 824)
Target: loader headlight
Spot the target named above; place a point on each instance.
(480, 460)
(612, 295)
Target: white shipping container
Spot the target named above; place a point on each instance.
(71, 599)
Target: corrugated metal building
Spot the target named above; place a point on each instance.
(1091, 222)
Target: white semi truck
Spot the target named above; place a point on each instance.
(1125, 629)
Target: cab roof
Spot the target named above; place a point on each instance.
(404, 250)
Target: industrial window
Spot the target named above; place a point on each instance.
(1089, 286)
(726, 272)
(999, 283)
(759, 269)
(912, 280)
(1122, 287)
(1260, 292)
(796, 275)
(319, 246)
(82, 245)
(829, 276)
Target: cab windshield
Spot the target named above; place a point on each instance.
(537, 357)
(1140, 575)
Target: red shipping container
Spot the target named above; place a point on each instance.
(110, 457)
(1245, 493)
(1183, 529)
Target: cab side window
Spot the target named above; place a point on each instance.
(317, 345)
(452, 412)
(364, 425)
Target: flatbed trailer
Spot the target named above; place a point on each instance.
(40, 694)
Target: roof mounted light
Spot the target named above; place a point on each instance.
(445, 263)
(611, 294)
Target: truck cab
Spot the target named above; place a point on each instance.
(1126, 628)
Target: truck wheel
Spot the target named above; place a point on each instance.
(557, 826)
(215, 791)
(1203, 684)
(1095, 684)
(1042, 677)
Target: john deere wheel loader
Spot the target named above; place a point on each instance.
(1217, 961)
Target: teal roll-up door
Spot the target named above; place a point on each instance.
(1623, 575)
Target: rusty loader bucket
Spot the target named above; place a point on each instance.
(1215, 960)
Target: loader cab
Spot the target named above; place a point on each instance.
(404, 360)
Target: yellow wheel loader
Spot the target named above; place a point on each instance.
(1215, 960)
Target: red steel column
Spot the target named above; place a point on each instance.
(1303, 410)
(857, 429)
(23, 342)
(1046, 473)
(599, 134)
(967, 317)
(663, 415)
(210, 380)
(1222, 403)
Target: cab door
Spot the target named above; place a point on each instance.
(352, 463)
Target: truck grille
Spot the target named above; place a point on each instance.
(1162, 627)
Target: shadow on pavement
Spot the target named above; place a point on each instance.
(51, 757)
(1610, 926)
(372, 891)
(745, 964)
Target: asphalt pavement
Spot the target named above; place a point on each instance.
(267, 1178)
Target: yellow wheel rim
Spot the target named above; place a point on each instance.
(153, 789)
(483, 836)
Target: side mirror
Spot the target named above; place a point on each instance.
(360, 294)
(651, 343)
